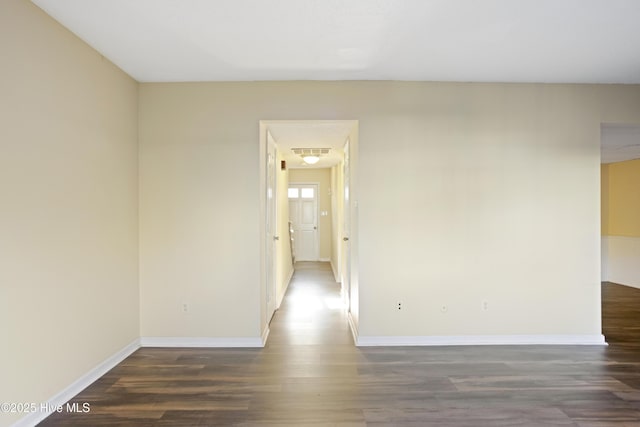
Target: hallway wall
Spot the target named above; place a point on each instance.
(469, 193)
(337, 219)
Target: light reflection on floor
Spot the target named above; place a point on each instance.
(313, 311)
(306, 303)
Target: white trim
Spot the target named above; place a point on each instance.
(271, 229)
(370, 341)
(202, 341)
(324, 260)
(354, 329)
(265, 335)
(78, 385)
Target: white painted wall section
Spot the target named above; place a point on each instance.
(623, 260)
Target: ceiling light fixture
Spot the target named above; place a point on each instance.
(311, 156)
(311, 159)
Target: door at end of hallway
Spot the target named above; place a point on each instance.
(303, 214)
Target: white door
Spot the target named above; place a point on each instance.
(346, 227)
(303, 214)
(271, 227)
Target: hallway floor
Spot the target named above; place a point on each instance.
(310, 373)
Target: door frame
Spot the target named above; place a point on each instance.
(345, 253)
(271, 227)
(261, 304)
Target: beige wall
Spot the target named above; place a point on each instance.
(480, 193)
(322, 176)
(68, 216)
(468, 193)
(199, 213)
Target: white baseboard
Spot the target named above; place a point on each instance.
(265, 335)
(201, 342)
(370, 341)
(77, 386)
(324, 260)
(622, 260)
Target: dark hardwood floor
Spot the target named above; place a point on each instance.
(621, 314)
(310, 373)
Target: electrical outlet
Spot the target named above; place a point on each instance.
(399, 306)
(485, 305)
(444, 308)
(185, 307)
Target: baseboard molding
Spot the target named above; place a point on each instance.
(77, 386)
(202, 342)
(324, 260)
(622, 260)
(458, 340)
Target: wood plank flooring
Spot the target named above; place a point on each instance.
(311, 374)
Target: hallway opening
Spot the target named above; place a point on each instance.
(310, 207)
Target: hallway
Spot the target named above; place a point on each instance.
(311, 355)
(310, 373)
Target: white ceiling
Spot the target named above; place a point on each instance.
(331, 134)
(580, 41)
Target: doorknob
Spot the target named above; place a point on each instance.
(346, 239)
(276, 237)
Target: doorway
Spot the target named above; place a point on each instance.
(291, 139)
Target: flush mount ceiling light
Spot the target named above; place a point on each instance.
(311, 156)
(310, 159)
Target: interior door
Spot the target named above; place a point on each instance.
(271, 227)
(346, 227)
(303, 214)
